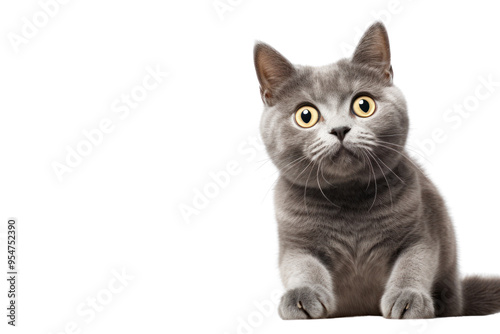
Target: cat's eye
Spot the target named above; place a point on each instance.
(306, 116)
(363, 106)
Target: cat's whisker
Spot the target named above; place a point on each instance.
(366, 136)
(317, 143)
(305, 189)
(305, 168)
(263, 163)
(318, 154)
(402, 147)
(321, 153)
(319, 149)
(379, 159)
(265, 160)
(363, 146)
(374, 182)
(388, 185)
(367, 141)
(269, 157)
(285, 169)
(323, 176)
(319, 185)
(293, 163)
(365, 158)
(403, 155)
(409, 147)
(392, 135)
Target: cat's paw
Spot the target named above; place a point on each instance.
(305, 303)
(407, 303)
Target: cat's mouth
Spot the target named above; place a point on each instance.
(344, 152)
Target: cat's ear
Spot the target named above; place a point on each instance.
(272, 70)
(373, 50)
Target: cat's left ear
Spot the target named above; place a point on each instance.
(373, 50)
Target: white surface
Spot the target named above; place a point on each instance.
(120, 207)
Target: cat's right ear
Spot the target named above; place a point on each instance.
(272, 70)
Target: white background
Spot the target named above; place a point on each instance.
(119, 209)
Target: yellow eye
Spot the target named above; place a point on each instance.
(363, 106)
(306, 116)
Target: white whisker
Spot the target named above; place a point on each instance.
(375, 182)
(386, 181)
(319, 185)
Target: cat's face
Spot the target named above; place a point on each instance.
(336, 123)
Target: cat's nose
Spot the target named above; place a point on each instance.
(340, 132)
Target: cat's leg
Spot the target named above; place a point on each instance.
(448, 294)
(309, 287)
(408, 292)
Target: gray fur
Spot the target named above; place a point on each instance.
(362, 230)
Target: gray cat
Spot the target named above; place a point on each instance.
(362, 230)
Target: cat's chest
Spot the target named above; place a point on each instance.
(361, 267)
(359, 253)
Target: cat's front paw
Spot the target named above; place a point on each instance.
(305, 303)
(408, 303)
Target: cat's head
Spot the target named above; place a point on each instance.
(341, 122)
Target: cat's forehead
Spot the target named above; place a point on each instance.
(338, 82)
